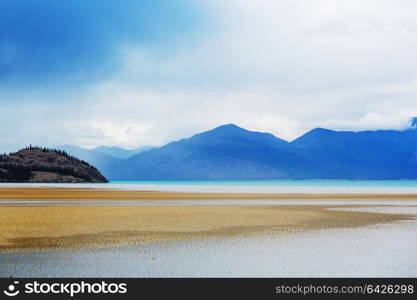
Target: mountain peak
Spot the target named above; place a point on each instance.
(235, 134)
(227, 130)
(316, 132)
(229, 127)
(313, 135)
(320, 130)
(414, 122)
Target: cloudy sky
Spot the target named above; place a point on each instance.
(131, 73)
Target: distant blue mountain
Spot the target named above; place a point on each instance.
(103, 162)
(381, 154)
(231, 152)
(104, 158)
(119, 152)
(226, 152)
(414, 122)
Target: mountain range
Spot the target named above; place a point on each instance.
(104, 158)
(119, 152)
(231, 152)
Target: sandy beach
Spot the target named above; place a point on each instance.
(83, 225)
(39, 193)
(382, 250)
(78, 232)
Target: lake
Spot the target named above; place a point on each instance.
(253, 186)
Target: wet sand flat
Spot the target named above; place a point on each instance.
(83, 225)
(382, 250)
(111, 194)
(72, 227)
(89, 232)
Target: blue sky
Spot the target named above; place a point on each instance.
(133, 73)
(48, 42)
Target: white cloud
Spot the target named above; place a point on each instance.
(310, 45)
(278, 66)
(372, 121)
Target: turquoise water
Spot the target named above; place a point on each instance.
(278, 183)
(248, 186)
(274, 186)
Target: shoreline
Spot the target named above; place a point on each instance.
(27, 227)
(52, 193)
(346, 252)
